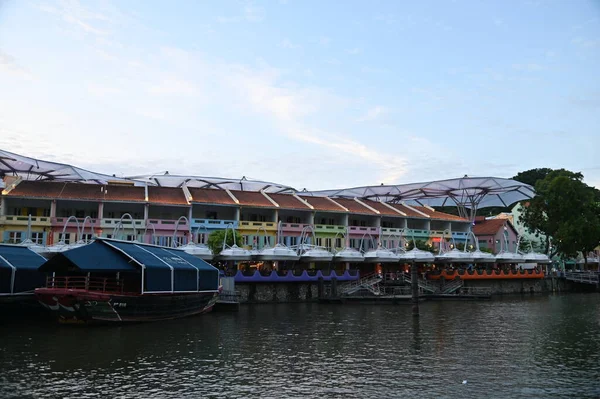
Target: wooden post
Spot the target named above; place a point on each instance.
(414, 277)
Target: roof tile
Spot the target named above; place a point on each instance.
(288, 201)
(78, 191)
(211, 196)
(252, 198)
(166, 195)
(353, 206)
(322, 204)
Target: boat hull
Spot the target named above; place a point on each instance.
(88, 307)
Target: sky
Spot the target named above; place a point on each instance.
(310, 94)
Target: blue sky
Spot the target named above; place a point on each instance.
(306, 93)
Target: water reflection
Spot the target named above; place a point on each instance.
(520, 347)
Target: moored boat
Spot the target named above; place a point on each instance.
(112, 281)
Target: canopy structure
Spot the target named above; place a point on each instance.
(19, 270)
(243, 184)
(28, 168)
(466, 193)
(162, 269)
(36, 169)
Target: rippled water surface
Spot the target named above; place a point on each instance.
(511, 348)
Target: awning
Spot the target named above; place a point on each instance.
(19, 269)
(94, 257)
(164, 269)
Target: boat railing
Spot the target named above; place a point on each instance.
(98, 284)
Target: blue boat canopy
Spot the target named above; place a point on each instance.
(19, 270)
(164, 269)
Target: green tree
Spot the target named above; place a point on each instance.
(532, 176)
(566, 209)
(215, 239)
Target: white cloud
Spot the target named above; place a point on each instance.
(531, 67)
(354, 51)
(248, 13)
(175, 86)
(9, 65)
(80, 17)
(586, 42)
(373, 114)
(324, 41)
(101, 90)
(287, 43)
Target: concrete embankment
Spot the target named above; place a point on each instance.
(308, 291)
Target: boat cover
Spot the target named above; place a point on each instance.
(166, 269)
(24, 263)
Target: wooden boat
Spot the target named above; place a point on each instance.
(112, 281)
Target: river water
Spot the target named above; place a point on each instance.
(543, 346)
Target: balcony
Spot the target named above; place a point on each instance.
(419, 233)
(363, 230)
(459, 235)
(60, 222)
(168, 224)
(330, 228)
(257, 225)
(293, 227)
(392, 230)
(24, 220)
(218, 224)
(112, 223)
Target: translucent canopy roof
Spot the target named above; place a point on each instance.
(243, 184)
(37, 169)
(465, 193)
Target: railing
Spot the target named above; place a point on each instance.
(111, 222)
(459, 233)
(60, 221)
(329, 228)
(366, 282)
(24, 220)
(296, 227)
(97, 284)
(436, 233)
(377, 290)
(391, 230)
(583, 277)
(256, 225)
(363, 229)
(419, 233)
(167, 224)
(213, 223)
(452, 286)
(423, 284)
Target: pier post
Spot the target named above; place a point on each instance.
(334, 287)
(320, 287)
(414, 278)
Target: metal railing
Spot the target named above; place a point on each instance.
(452, 286)
(423, 284)
(364, 283)
(583, 277)
(97, 284)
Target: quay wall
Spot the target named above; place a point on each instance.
(529, 286)
(284, 292)
(277, 292)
